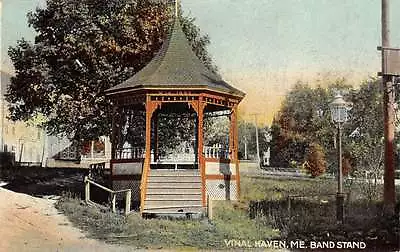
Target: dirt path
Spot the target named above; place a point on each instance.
(33, 224)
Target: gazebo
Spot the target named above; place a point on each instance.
(175, 82)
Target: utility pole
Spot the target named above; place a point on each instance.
(245, 148)
(389, 195)
(1, 93)
(257, 142)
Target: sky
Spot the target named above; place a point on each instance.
(264, 46)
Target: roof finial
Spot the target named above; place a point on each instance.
(176, 8)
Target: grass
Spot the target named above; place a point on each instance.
(311, 218)
(314, 218)
(230, 222)
(276, 189)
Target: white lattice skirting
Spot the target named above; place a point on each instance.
(221, 189)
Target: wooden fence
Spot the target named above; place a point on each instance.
(285, 205)
(127, 192)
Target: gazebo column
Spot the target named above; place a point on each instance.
(114, 131)
(233, 145)
(156, 136)
(118, 122)
(151, 106)
(199, 106)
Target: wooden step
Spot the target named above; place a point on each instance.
(173, 197)
(173, 184)
(175, 207)
(173, 190)
(168, 175)
(174, 172)
(169, 203)
(174, 179)
(175, 210)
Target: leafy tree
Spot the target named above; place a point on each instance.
(366, 144)
(361, 137)
(81, 49)
(347, 163)
(216, 130)
(247, 137)
(304, 118)
(287, 147)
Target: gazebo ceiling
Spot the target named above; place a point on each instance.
(176, 67)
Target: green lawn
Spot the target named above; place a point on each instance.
(314, 217)
(230, 222)
(310, 218)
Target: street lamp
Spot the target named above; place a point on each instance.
(339, 114)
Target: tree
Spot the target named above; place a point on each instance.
(287, 147)
(81, 49)
(304, 119)
(216, 130)
(247, 139)
(362, 134)
(366, 145)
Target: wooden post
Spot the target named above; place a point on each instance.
(113, 195)
(151, 106)
(155, 137)
(87, 190)
(389, 189)
(92, 149)
(113, 132)
(209, 208)
(289, 206)
(199, 107)
(128, 202)
(121, 120)
(231, 134)
(235, 147)
(21, 151)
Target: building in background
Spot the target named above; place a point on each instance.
(31, 145)
(27, 143)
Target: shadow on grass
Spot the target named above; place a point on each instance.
(39, 182)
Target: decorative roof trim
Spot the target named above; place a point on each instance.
(162, 88)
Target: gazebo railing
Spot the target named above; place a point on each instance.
(129, 153)
(189, 157)
(216, 151)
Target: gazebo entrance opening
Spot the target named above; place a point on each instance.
(174, 143)
(174, 136)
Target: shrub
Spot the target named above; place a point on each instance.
(315, 160)
(347, 164)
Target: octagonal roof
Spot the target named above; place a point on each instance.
(176, 66)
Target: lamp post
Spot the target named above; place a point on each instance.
(339, 114)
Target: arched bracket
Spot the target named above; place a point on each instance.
(198, 106)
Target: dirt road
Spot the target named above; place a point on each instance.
(33, 224)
